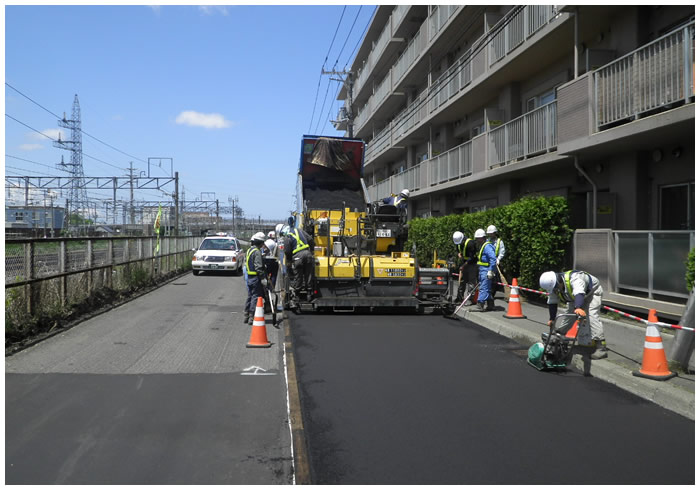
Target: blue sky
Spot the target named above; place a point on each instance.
(226, 92)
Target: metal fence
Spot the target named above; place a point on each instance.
(656, 75)
(529, 134)
(649, 265)
(48, 274)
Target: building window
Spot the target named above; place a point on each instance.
(677, 207)
(540, 100)
(477, 130)
(19, 216)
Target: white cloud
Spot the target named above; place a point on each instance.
(155, 8)
(30, 146)
(208, 121)
(52, 133)
(213, 9)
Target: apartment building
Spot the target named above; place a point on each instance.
(471, 107)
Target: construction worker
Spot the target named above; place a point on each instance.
(298, 251)
(499, 248)
(486, 260)
(468, 270)
(256, 275)
(400, 201)
(584, 296)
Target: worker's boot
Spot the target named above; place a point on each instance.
(489, 305)
(601, 351)
(250, 318)
(479, 308)
(246, 317)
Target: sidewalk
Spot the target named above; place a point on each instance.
(625, 344)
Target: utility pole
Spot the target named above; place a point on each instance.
(177, 199)
(348, 81)
(217, 215)
(131, 188)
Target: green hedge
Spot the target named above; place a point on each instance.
(690, 270)
(535, 230)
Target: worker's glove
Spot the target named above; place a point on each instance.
(498, 261)
(580, 312)
(549, 323)
(490, 275)
(264, 283)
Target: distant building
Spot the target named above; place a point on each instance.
(28, 217)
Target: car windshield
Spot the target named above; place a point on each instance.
(219, 244)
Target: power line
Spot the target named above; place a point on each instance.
(347, 37)
(320, 114)
(322, 68)
(361, 37)
(57, 141)
(82, 131)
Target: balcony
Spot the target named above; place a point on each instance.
(657, 75)
(643, 99)
(510, 32)
(529, 135)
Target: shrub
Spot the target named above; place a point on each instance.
(690, 270)
(535, 230)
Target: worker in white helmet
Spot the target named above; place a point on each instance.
(468, 270)
(271, 260)
(486, 260)
(298, 251)
(400, 201)
(499, 248)
(583, 295)
(256, 275)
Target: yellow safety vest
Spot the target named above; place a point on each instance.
(251, 272)
(464, 249)
(300, 243)
(481, 253)
(569, 289)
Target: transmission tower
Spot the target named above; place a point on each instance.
(78, 203)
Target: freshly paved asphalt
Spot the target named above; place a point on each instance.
(161, 390)
(409, 399)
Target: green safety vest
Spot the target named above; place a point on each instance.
(251, 272)
(497, 245)
(300, 243)
(481, 253)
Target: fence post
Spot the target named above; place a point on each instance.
(89, 267)
(62, 266)
(686, 63)
(29, 273)
(110, 262)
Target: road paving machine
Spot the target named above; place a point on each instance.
(360, 246)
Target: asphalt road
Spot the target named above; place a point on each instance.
(161, 390)
(414, 399)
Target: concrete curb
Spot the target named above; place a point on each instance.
(666, 396)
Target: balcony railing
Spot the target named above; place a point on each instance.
(450, 165)
(658, 74)
(516, 27)
(529, 134)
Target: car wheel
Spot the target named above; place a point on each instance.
(195, 272)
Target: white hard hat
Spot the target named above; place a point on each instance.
(271, 245)
(278, 228)
(258, 237)
(405, 193)
(284, 230)
(479, 233)
(271, 234)
(548, 280)
(457, 237)
(491, 229)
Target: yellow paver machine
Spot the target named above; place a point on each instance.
(359, 254)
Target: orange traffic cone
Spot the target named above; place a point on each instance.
(654, 364)
(258, 336)
(573, 331)
(514, 308)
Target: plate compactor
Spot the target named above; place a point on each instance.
(557, 347)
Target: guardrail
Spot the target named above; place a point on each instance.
(56, 272)
(658, 74)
